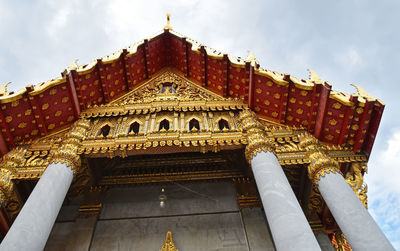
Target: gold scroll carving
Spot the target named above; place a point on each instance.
(341, 242)
(321, 164)
(356, 180)
(256, 136)
(169, 243)
(8, 196)
(67, 152)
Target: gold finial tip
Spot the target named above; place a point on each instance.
(168, 26)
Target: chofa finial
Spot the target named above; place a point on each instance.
(252, 58)
(3, 89)
(314, 77)
(168, 26)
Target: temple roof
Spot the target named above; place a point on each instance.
(333, 117)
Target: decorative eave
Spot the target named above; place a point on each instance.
(333, 117)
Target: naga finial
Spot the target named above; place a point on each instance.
(3, 89)
(252, 58)
(168, 26)
(73, 66)
(361, 92)
(314, 77)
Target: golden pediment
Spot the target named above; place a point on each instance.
(168, 86)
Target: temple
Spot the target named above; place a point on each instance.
(171, 145)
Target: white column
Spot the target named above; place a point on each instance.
(324, 242)
(359, 228)
(33, 224)
(289, 227)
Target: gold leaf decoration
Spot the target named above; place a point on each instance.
(9, 119)
(51, 126)
(45, 106)
(337, 105)
(15, 103)
(299, 111)
(28, 112)
(65, 99)
(58, 113)
(53, 91)
(333, 122)
(22, 125)
(277, 95)
(258, 90)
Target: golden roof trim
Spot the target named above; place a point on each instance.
(46, 85)
(341, 97)
(276, 77)
(12, 97)
(302, 84)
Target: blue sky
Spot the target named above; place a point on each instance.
(343, 41)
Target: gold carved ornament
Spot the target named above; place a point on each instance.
(10, 162)
(356, 180)
(67, 152)
(321, 164)
(256, 137)
(169, 243)
(341, 242)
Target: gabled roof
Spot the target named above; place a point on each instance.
(333, 117)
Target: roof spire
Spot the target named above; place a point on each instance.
(252, 59)
(168, 26)
(3, 89)
(314, 77)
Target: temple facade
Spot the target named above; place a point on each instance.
(171, 145)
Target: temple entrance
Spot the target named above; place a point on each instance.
(192, 195)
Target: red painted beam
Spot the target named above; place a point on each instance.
(103, 87)
(323, 100)
(122, 58)
(344, 130)
(312, 108)
(187, 45)
(3, 145)
(250, 69)
(226, 75)
(284, 100)
(74, 96)
(146, 57)
(204, 63)
(373, 127)
(357, 146)
(6, 128)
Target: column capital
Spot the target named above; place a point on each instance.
(67, 152)
(257, 139)
(321, 164)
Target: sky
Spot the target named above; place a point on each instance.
(344, 41)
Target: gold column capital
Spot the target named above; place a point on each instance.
(321, 164)
(67, 152)
(257, 140)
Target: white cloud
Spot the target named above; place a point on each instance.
(350, 58)
(384, 188)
